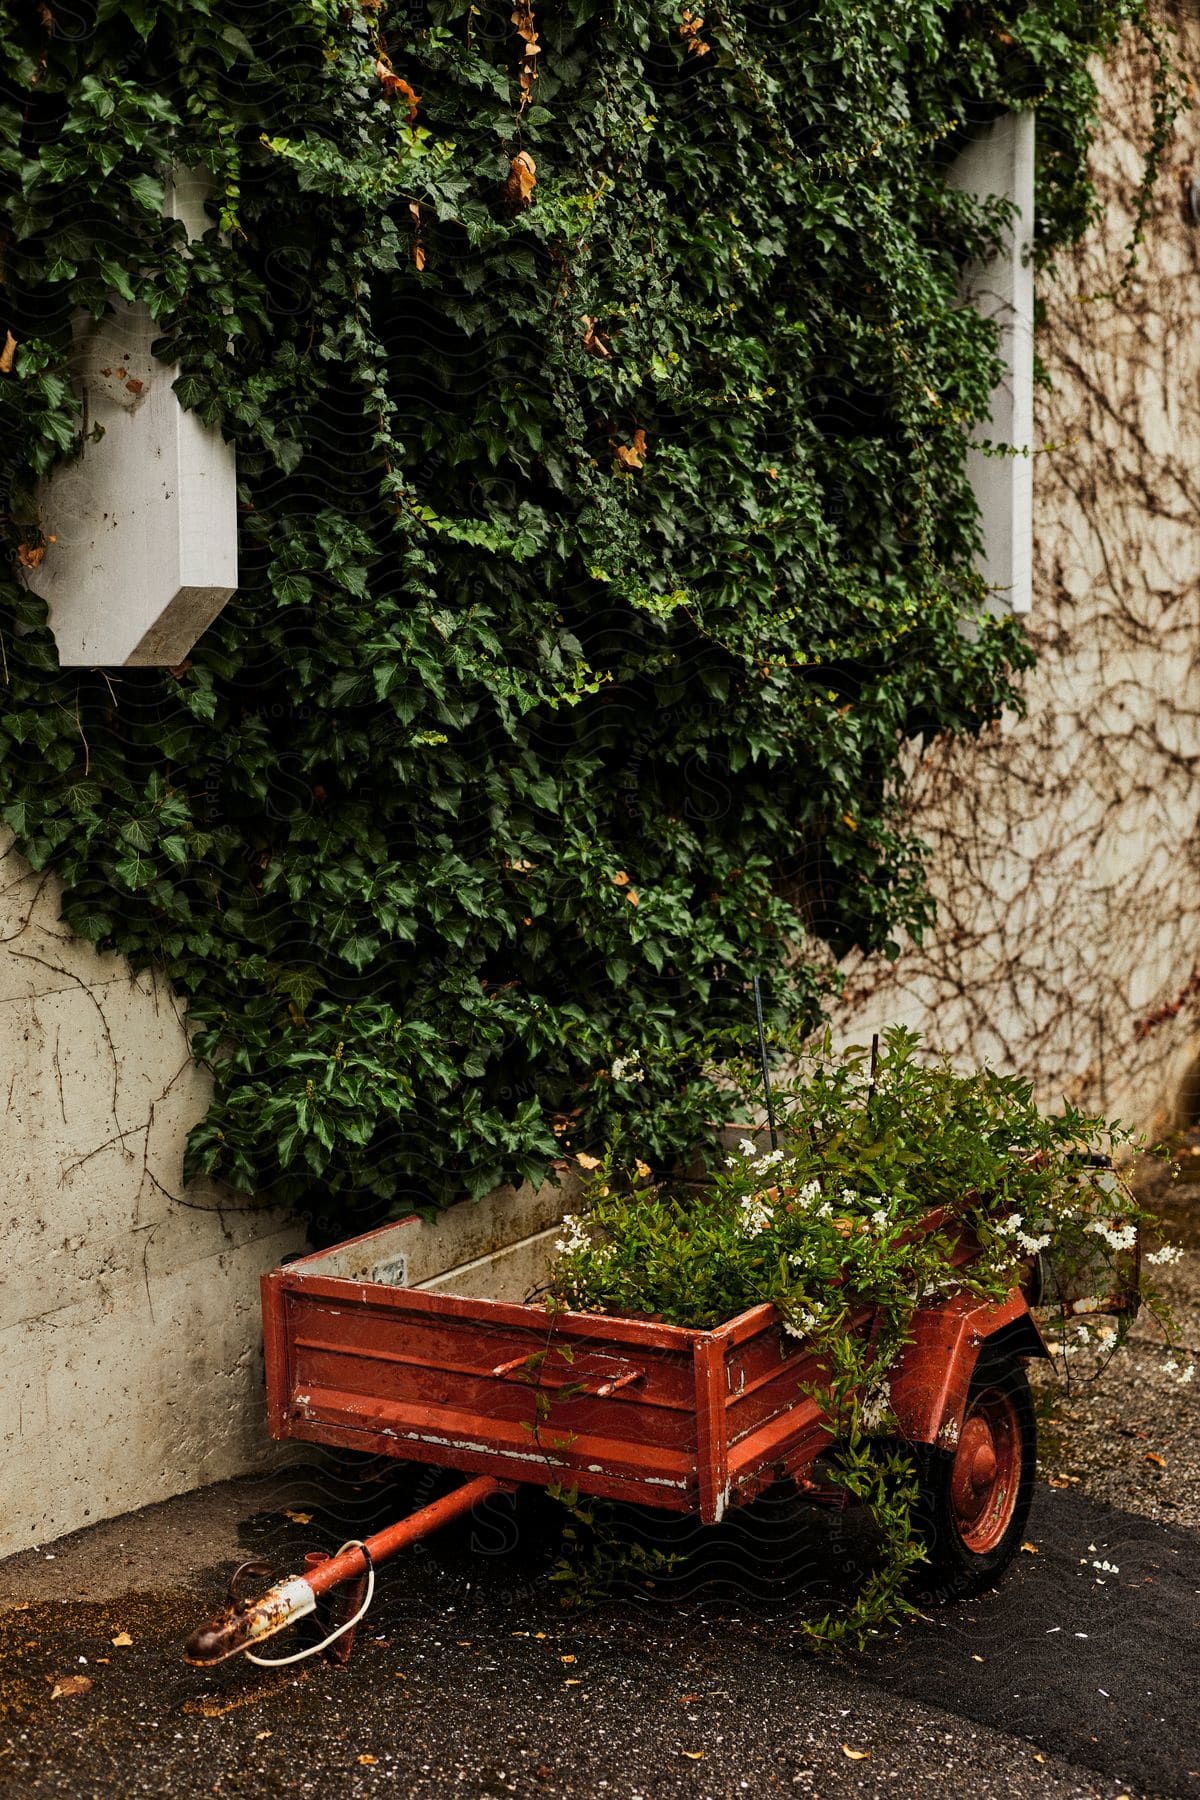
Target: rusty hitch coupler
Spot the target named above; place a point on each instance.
(247, 1622)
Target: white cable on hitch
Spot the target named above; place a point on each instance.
(281, 1662)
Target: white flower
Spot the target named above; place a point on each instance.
(809, 1193)
(756, 1215)
(748, 1148)
(574, 1237)
(881, 1216)
(1032, 1244)
(628, 1068)
(1169, 1253)
(1189, 1374)
(770, 1161)
(848, 1197)
(1120, 1237)
(875, 1404)
(1013, 1223)
(1105, 1336)
(802, 1322)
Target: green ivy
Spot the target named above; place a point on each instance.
(600, 392)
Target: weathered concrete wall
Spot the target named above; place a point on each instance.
(130, 1361)
(1067, 844)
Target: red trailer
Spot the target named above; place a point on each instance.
(377, 1345)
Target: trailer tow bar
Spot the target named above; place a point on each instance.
(245, 1623)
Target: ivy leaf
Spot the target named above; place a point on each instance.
(113, 275)
(135, 871)
(149, 192)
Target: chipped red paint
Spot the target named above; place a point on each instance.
(630, 1409)
(931, 1375)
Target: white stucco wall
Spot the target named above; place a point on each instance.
(130, 1362)
(1066, 844)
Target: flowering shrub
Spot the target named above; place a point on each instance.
(886, 1161)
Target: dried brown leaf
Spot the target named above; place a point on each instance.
(632, 456)
(67, 1685)
(593, 342)
(522, 179)
(395, 87)
(690, 26)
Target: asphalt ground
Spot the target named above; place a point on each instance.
(469, 1678)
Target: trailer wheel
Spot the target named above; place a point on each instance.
(974, 1501)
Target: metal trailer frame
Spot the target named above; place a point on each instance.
(508, 1393)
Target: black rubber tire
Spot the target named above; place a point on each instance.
(954, 1568)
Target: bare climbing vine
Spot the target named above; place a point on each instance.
(1065, 843)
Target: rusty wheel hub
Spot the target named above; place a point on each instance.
(986, 1473)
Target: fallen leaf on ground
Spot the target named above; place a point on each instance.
(297, 1518)
(694, 1754)
(122, 1640)
(1031, 1549)
(70, 1684)
(366, 1757)
(855, 1755)
(1152, 1456)
(260, 1735)
(566, 1659)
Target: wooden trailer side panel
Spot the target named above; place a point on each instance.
(483, 1388)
